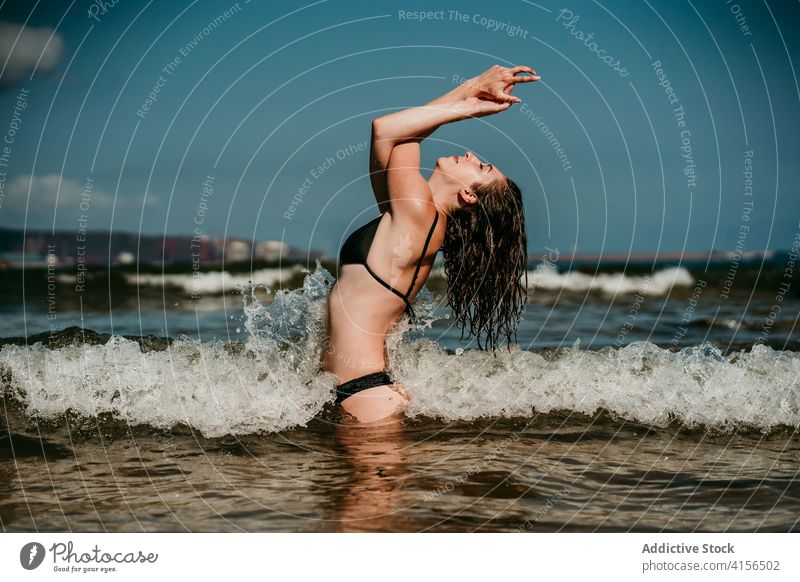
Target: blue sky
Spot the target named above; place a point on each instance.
(261, 99)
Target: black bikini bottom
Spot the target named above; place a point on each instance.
(357, 385)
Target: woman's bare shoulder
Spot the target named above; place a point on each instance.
(418, 214)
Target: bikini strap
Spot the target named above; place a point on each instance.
(356, 385)
(389, 287)
(419, 262)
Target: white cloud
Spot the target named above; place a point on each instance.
(51, 194)
(24, 50)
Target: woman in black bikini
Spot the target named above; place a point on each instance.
(467, 208)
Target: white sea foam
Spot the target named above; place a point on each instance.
(204, 283)
(200, 385)
(547, 277)
(273, 383)
(214, 282)
(641, 382)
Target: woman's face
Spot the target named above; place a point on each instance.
(466, 170)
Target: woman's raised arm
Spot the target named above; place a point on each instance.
(385, 136)
(417, 123)
(408, 192)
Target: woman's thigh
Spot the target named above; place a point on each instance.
(376, 404)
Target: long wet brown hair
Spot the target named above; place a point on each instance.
(485, 255)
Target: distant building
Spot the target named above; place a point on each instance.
(272, 250)
(126, 258)
(120, 248)
(237, 250)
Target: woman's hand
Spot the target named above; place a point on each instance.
(477, 107)
(497, 83)
(486, 94)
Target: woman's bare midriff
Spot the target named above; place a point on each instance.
(360, 315)
(362, 312)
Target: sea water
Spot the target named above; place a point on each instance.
(212, 435)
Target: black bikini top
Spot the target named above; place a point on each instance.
(356, 249)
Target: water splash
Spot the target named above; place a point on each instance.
(269, 384)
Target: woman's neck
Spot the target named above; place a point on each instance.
(442, 190)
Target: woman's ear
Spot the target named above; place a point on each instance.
(467, 197)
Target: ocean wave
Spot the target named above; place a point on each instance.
(697, 387)
(214, 282)
(271, 382)
(547, 277)
(204, 283)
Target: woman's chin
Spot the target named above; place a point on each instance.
(442, 163)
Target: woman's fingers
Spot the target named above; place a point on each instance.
(494, 107)
(524, 79)
(504, 96)
(497, 83)
(521, 69)
(514, 71)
